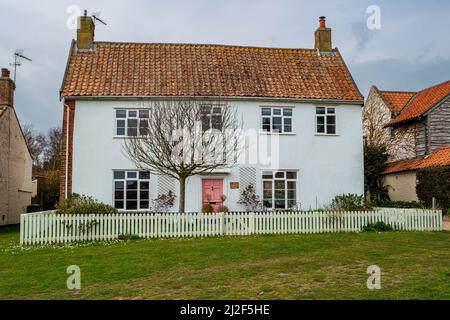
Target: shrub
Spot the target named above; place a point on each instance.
(223, 209)
(434, 182)
(250, 200)
(374, 163)
(81, 204)
(34, 208)
(207, 208)
(163, 202)
(347, 202)
(128, 237)
(397, 204)
(378, 227)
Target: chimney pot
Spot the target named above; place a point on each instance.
(323, 23)
(5, 73)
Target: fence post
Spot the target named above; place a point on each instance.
(252, 222)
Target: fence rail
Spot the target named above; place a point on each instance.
(44, 228)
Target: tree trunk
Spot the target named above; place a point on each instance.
(182, 194)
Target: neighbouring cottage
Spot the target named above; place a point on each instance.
(415, 128)
(15, 158)
(305, 97)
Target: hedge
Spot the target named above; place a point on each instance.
(434, 182)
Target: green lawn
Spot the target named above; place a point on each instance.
(331, 266)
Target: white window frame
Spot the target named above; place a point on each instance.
(138, 190)
(126, 118)
(286, 189)
(325, 123)
(272, 115)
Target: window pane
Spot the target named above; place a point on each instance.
(268, 203)
(131, 205)
(320, 120)
(118, 185)
(120, 131)
(291, 184)
(119, 174)
(144, 195)
(288, 121)
(132, 132)
(121, 113)
(331, 110)
(132, 122)
(292, 203)
(144, 204)
(267, 194)
(143, 113)
(287, 112)
(291, 175)
(217, 110)
(277, 112)
(287, 129)
(276, 124)
(144, 175)
(320, 128)
(331, 119)
(131, 195)
(279, 194)
(216, 122)
(265, 112)
(266, 124)
(118, 204)
(279, 184)
(120, 123)
(131, 174)
(331, 129)
(267, 185)
(280, 204)
(279, 175)
(132, 113)
(292, 194)
(131, 185)
(320, 110)
(118, 195)
(143, 185)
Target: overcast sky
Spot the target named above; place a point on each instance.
(411, 50)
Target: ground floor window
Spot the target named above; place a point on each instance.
(131, 190)
(279, 189)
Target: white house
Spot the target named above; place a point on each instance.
(305, 98)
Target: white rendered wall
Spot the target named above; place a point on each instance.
(327, 165)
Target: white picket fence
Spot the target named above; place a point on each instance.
(49, 227)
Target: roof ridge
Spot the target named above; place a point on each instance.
(395, 91)
(434, 86)
(203, 45)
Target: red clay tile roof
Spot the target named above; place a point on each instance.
(422, 102)
(440, 158)
(136, 70)
(397, 100)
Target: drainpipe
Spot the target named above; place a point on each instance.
(66, 188)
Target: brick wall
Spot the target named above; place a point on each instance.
(62, 181)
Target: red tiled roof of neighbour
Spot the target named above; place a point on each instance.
(397, 100)
(143, 70)
(422, 102)
(440, 158)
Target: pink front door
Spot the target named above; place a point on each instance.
(212, 192)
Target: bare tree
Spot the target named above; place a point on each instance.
(184, 138)
(36, 143)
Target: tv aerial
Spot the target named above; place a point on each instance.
(96, 17)
(18, 58)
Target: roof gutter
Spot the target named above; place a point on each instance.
(263, 99)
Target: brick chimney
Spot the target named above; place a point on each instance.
(85, 32)
(323, 37)
(7, 88)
